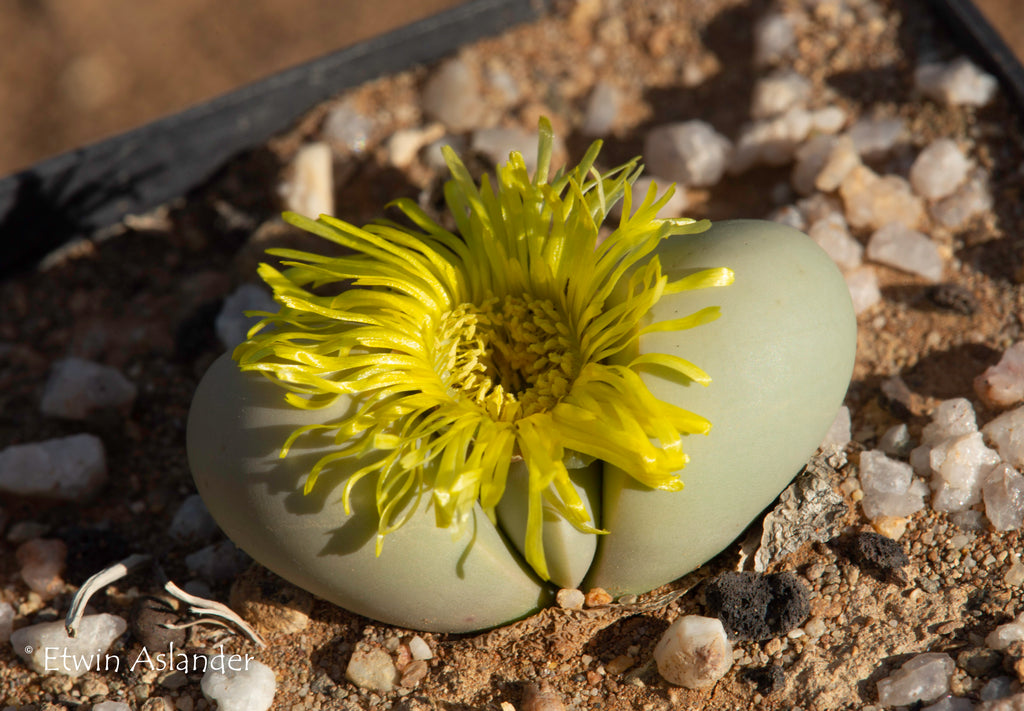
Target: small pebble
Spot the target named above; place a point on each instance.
(838, 435)
(950, 703)
(922, 678)
(1007, 433)
(694, 652)
(959, 466)
(67, 468)
(896, 441)
(309, 188)
(832, 235)
(1014, 576)
(419, 648)
(346, 126)
(774, 37)
(6, 621)
(875, 137)
(863, 285)
(956, 83)
(42, 562)
(597, 597)
(271, 606)
(770, 141)
(404, 144)
(889, 486)
(452, 95)
(1002, 385)
(497, 143)
(47, 648)
(970, 199)
(218, 562)
(877, 554)
(602, 110)
(192, 522)
(111, 706)
(1000, 687)
(830, 119)
(896, 245)
(239, 683)
(570, 599)
(1003, 494)
(619, 664)
(26, 530)
(541, 697)
(76, 388)
(414, 673)
(779, 92)
(890, 526)
(756, 606)
(1006, 634)
(691, 153)
(372, 668)
(939, 170)
(871, 201)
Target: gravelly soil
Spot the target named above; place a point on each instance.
(144, 300)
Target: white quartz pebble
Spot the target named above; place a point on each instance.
(111, 706)
(889, 486)
(602, 111)
(896, 245)
(239, 683)
(309, 188)
(694, 652)
(78, 387)
(6, 622)
(939, 169)
(1007, 433)
(46, 647)
(828, 119)
(232, 325)
(770, 141)
(1002, 384)
(922, 678)
(346, 126)
(778, 92)
(691, 153)
(1003, 493)
(1004, 635)
(774, 37)
(67, 468)
(863, 285)
(833, 236)
(950, 703)
(419, 648)
(970, 199)
(876, 136)
(192, 522)
(497, 143)
(838, 435)
(956, 83)
(959, 467)
(872, 201)
(452, 95)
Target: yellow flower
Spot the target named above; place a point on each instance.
(467, 350)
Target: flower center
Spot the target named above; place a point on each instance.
(513, 356)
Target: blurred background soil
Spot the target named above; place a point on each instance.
(76, 71)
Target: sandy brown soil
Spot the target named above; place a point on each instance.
(143, 301)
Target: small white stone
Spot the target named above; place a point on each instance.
(863, 285)
(6, 622)
(956, 83)
(770, 141)
(691, 153)
(833, 236)
(232, 325)
(433, 154)
(218, 561)
(889, 486)
(818, 206)
(810, 159)
(1002, 384)
(239, 683)
(997, 695)
(111, 706)
(829, 119)
(46, 647)
(838, 435)
(192, 521)
(896, 245)
(570, 599)
(876, 136)
(950, 703)
(839, 163)
(309, 188)
(922, 678)
(939, 169)
(346, 126)
(694, 652)
(779, 92)
(1014, 575)
(42, 561)
(774, 37)
(67, 468)
(959, 467)
(419, 648)
(950, 418)
(452, 95)
(789, 215)
(1003, 493)
(896, 441)
(603, 106)
(970, 199)
(77, 387)
(372, 668)
(1004, 635)
(871, 201)
(1007, 433)
(405, 143)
